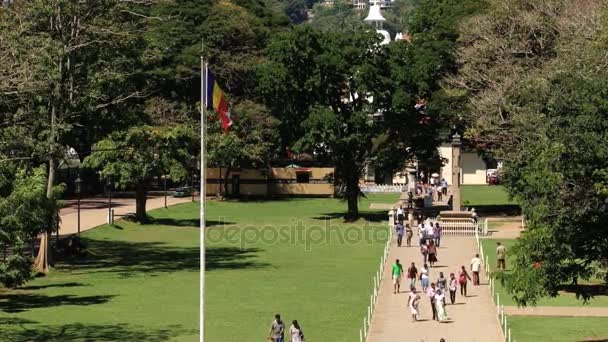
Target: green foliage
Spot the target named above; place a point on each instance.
(248, 143)
(133, 158)
(16, 270)
(537, 99)
(313, 85)
(24, 213)
(81, 72)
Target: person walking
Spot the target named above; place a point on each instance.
(400, 231)
(463, 278)
(437, 234)
(501, 254)
(412, 274)
(413, 301)
(410, 200)
(444, 186)
(432, 249)
(475, 267)
(408, 234)
(439, 193)
(431, 293)
(400, 214)
(277, 330)
(421, 233)
(442, 315)
(442, 282)
(424, 250)
(453, 286)
(295, 332)
(397, 273)
(424, 277)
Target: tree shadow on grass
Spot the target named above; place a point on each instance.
(585, 291)
(128, 259)
(194, 223)
(39, 287)
(231, 258)
(30, 331)
(369, 216)
(19, 302)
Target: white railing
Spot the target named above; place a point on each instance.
(465, 226)
(383, 188)
(500, 309)
(364, 331)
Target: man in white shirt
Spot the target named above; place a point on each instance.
(430, 231)
(475, 267)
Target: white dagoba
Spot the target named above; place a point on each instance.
(375, 17)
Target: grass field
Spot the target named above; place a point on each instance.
(140, 282)
(558, 329)
(564, 299)
(482, 195)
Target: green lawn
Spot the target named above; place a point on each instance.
(379, 197)
(558, 329)
(140, 283)
(477, 195)
(564, 299)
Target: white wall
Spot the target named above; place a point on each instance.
(473, 168)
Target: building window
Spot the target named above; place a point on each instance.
(303, 177)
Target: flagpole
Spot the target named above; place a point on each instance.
(203, 183)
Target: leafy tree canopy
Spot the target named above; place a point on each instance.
(133, 158)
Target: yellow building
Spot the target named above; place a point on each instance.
(276, 181)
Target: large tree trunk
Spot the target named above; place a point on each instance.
(42, 259)
(141, 196)
(352, 198)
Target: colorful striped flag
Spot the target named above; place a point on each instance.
(216, 100)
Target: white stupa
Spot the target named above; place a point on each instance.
(375, 17)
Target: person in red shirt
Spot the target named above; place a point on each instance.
(462, 280)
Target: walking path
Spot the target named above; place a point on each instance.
(577, 311)
(94, 211)
(473, 319)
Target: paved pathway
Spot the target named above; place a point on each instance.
(473, 318)
(577, 311)
(94, 211)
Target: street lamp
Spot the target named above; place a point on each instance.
(165, 187)
(109, 185)
(78, 191)
(456, 146)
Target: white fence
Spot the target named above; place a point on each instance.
(383, 188)
(363, 332)
(466, 227)
(500, 309)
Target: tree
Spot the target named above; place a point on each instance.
(71, 71)
(533, 78)
(249, 141)
(315, 84)
(25, 212)
(133, 158)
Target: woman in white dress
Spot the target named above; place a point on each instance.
(413, 301)
(442, 315)
(295, 332)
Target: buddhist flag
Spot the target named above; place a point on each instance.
(216, 100)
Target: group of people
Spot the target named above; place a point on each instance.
(436, 291)
(277, 331)
(435, 188)
(428, 233)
